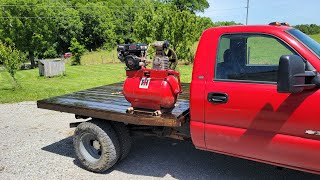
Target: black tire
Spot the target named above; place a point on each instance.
(97, 147)
(124, 138)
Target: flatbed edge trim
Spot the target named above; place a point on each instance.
(113, 116)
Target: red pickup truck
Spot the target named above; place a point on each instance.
(254, 95)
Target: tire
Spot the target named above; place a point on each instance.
(96, 146)
(124, 138)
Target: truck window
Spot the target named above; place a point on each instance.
(249, 57)
(224, 44)
(264, 50)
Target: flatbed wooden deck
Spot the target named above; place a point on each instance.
(107, 102)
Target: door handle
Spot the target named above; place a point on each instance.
(219, 98)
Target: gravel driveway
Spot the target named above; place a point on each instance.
(37, 144)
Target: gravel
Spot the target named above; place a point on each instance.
(37, 144)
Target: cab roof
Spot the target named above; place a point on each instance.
(251, 28)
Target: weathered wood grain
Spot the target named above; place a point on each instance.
(107, 102)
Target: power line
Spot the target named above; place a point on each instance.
(67, 6)
(72, 6)
(75, 6)
(102, 6)
(44, 17)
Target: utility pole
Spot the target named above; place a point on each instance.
(247, 12)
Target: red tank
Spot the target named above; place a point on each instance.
(152, 89)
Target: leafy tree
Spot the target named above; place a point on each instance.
(165, 21)
(143, 27)
(22, 27)
(68, 25)
(11, 58)
(98, 24)
(77, 51)
(309, 28)
(226, 23)
(123, 18)
(37, 28)
(41, 29)
(191, 5)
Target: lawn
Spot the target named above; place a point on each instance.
(316, 37)
(77, 78)
(100, 57)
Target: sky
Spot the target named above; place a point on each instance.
(265, 11)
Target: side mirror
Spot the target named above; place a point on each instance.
(292, 75)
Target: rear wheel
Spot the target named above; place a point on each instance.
(96, 145)
(124, 138)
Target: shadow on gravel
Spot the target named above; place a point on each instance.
(160, 157)
(63, 147)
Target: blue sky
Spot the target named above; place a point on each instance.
(265, 11)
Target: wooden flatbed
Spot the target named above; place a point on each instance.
(107, 102)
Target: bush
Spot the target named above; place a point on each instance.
(12, 60)
(77, 51)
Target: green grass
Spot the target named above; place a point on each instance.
(316, 37)
(265, 50)
(268, 50)
(77, 78)
(100, 57)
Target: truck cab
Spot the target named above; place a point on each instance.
(236, 103)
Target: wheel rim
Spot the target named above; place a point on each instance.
(90, 147)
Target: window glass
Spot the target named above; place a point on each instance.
(306, 40)
(249, 57)
(265, 50)
(224, 44)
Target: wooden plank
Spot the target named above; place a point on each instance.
(107, 102)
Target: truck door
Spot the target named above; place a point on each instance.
(245, 116)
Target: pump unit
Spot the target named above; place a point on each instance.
(153, 89)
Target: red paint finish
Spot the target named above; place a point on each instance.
(197, 134)
(160, 90)
(197, 90)
(257, 122)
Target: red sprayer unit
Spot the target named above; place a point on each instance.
(150, 89)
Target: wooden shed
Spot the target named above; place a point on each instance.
(50, 68)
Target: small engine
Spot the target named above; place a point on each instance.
(131, 55)
(155, 89)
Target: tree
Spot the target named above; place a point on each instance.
(144, 28)
(38, 28)
(226, 23)
(77, 51)
(99, 29)
(11, 59)
(309, 28)
(166, 22)
(68, 25)
(27, 26)
(191, 5)
(123, 19)
(45, 29)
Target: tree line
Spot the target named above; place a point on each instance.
(308, 28)
(49, 28)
